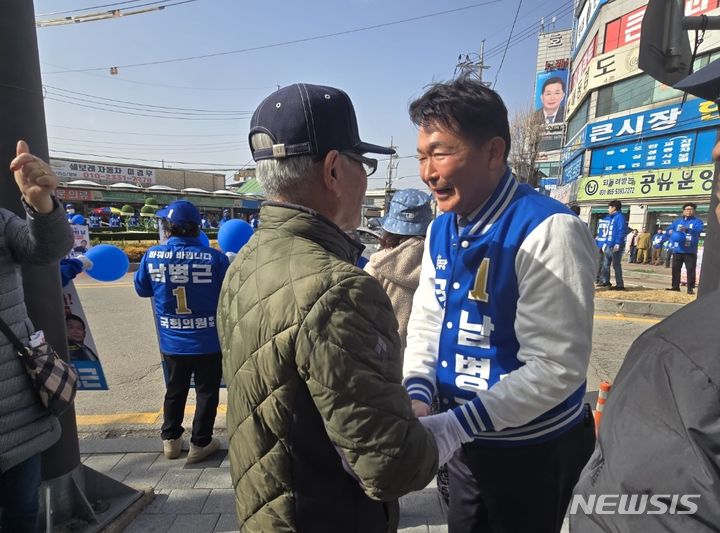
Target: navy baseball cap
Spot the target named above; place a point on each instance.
(179, 212)
(305, 119)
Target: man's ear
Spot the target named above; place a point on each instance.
(330, 166)
(496, 153)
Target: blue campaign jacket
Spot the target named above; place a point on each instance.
(185, 278)
(616, 229)
(658, 240)
(688, 244)
(603, 231)
(501, 324)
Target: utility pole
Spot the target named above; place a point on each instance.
(70, 490)
(392, 166)
(472, 65)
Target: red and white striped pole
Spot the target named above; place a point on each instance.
(602, 398)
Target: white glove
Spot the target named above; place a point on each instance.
(231, 256)
(87, 264)
(616, 248)
(448, 433)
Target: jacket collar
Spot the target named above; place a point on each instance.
(309, 224)
(482, 219)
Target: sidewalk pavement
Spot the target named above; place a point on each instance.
(199, 499)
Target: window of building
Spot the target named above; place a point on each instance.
(549, 170)
(550, 142)
(641, 90)
(578, 120)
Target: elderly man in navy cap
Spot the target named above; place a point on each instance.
(322, 436)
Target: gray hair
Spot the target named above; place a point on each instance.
(286, 178)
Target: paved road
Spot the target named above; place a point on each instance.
(122, 325)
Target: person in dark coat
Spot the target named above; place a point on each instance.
(27, 427)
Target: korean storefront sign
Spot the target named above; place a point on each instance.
(102, 173)
(647, 184)
(695, 114)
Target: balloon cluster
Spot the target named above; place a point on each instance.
(78, 220)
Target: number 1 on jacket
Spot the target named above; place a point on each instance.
(181, 299)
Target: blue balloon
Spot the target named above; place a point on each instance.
(110, 263)
(234, 234)
(204, 239)
(78, 220)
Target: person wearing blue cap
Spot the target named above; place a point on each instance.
(397, 264)
(322, 437)
(185, 277)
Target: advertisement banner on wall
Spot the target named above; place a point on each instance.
(573, 169)
(550, 91)
(585, 19)
(102, 173)
(614, 66)
(581, 65)
(574, 146)
(659, 152)
(626, 29)
(660, 183)
(695, 114)
(565, 194)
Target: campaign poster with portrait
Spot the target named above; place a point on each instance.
(550, 92)
(81, 345)
(81, 239)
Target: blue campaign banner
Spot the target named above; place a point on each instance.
(659, 152)
(91, 375)
(573, 169)
(695, 114)
(574, 146)
(548, 183)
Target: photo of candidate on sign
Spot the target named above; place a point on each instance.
(550, 90)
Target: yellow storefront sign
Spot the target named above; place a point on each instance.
(646, 184)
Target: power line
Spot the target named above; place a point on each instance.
(507, 45)
(115, 132)
(123, 110)
(105, 15)
(285, 43)
(139, 104)
(92, 7)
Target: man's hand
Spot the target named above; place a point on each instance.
(35, 179)
(616, 248)
(420, 408)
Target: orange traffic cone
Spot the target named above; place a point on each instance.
(602, 398)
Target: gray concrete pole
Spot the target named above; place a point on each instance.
(22, 116)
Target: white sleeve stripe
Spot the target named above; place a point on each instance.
(476, 415)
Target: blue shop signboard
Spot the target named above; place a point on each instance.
(695, 114)
(680, 150)
(573, 169)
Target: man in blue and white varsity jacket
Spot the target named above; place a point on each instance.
(185, 277)
(614, 246)
(501, 324)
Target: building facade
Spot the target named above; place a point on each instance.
(629, 137)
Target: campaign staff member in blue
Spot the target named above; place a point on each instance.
(501, 323)
(185, 278)
(686, 234)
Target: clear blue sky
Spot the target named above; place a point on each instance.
(382, 69)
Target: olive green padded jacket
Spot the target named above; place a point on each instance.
(313, 370)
